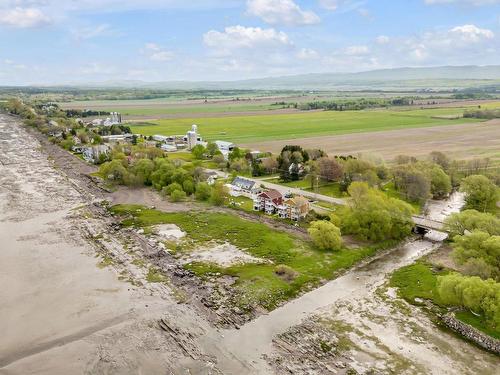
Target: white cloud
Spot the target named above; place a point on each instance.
(472, 33)
(23, 17)
(92, 32)
(285, 12)
(235, 37)
(356, 50)
(307, 54)
(329, 4)
(157, 53)
(382, 39)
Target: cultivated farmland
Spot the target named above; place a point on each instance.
(248, 129)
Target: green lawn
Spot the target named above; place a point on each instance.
(477, 322)
(242, 129)
(331, 189)
(257, 284)
(417, 280)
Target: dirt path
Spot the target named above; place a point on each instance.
(458, 141)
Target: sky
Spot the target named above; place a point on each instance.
(85, 41)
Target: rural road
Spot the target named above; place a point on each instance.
(285, 189)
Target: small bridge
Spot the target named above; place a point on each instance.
(426, 224)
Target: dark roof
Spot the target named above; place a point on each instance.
(243, 183)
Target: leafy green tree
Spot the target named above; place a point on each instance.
(325, 235)
(143, 169)
(480, 296)
(212, 149)
(177, 196)
(172, 187)
(470, 220)
(203, 191)
(198, 152)
(188, 186)
(114, 171)
(480, 192)
(237, 153)
(373, 216)
(219, 194)
(478, 245)
(440, 182)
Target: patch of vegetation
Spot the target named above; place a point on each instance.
(421, 280)
(105, 262)
(257, 284)
(418, 280)
(477, 322)
(155, 276)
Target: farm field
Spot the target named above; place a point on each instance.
(461, 141)
(247, 129)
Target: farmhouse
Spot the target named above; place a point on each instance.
(94, 153)
(268, 201)
(294, 208)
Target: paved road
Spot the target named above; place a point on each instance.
(285, 189)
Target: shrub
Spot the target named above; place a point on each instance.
(285, 272)
(177, 195)
(325, 235)
(203, 191)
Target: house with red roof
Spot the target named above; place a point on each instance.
(268, 201)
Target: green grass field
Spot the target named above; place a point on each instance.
(257, 284)
(245, 129)
(330, 189)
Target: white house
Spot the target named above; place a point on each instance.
(243, 187)
(93, 153)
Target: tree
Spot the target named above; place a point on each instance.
(172, 187)
(203, 191)
(372, 215)
(480, 192)
(198, 152)
(470, 220)
(480, 296)
(239, 165)
(417, 186)
(325, 235)
(440, 159)
(220, 161)
(440, 182)
(219, 194)
(237, 153)
(330, 169)
(212, 148)
(114, 171)
(270, 164)
(478, 245)
(188, 186)
(177, 196)
(143, 169)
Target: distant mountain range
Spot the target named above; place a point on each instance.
(445, 77)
